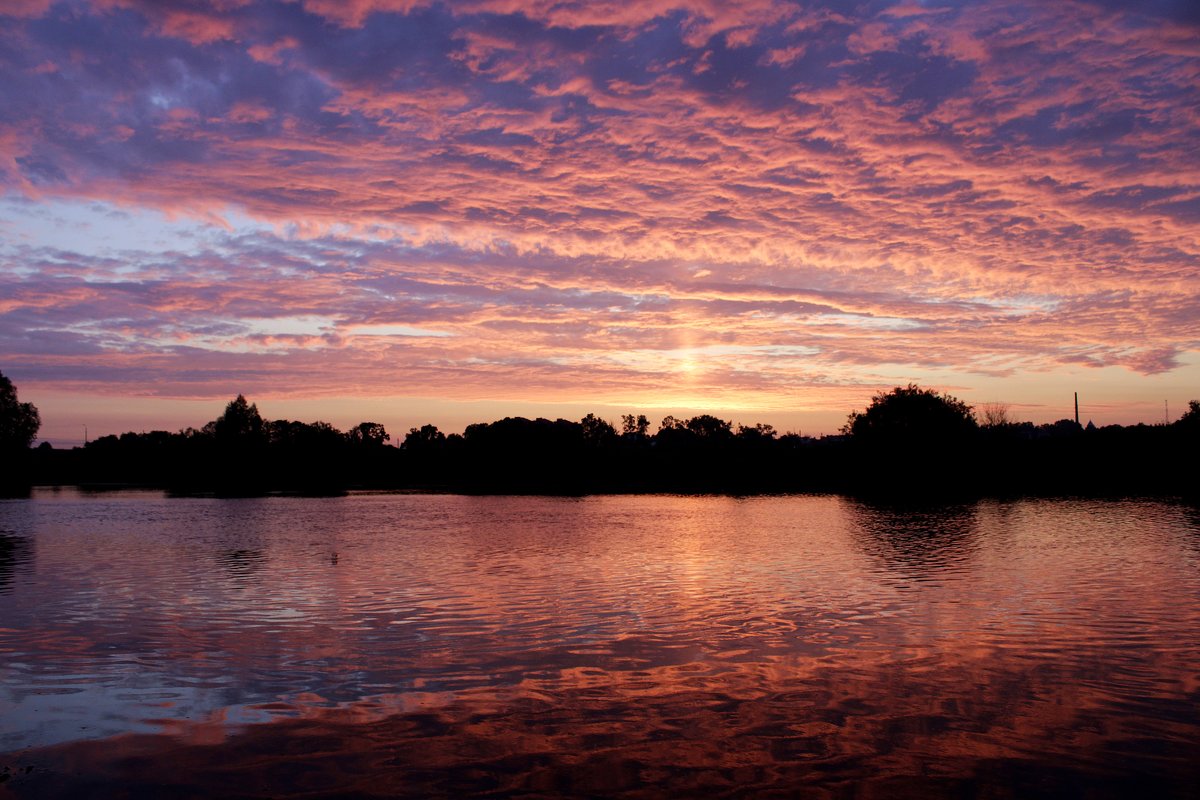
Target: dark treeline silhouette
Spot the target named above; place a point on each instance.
(239, 453)
(909, 442)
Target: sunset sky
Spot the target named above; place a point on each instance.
(415, 212)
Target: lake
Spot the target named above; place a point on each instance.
(441, 645)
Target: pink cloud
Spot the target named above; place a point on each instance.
(30, 9)
(353, 13)
(199, 24)
(605, 199)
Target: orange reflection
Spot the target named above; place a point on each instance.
(635, 647)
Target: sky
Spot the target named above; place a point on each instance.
(410, 212)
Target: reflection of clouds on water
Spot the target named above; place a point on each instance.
(923, 542)
(239, 530)
(16, 557)
(754, 730)
(242, 565)
(606, 646)
(1190, 513)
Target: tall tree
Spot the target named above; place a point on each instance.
(634, 427)
(241, 422)
(19, 422)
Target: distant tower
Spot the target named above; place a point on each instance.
(1077, 408)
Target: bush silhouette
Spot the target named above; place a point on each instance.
(911, 416)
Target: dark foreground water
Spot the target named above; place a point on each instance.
(447, 646)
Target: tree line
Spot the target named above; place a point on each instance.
(909, 441)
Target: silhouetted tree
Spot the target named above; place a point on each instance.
(370, 434)
(994, 415)
(912, 416)
(1191, 418)
(240, 423)
(19, 422)
(284, 432)
(308, 457)
(321, 435)
(597, 432)
(634, 427)
(757, 432)
(423, 439)
(516, 453)
(238, 464)
(1188, 428)
(1063, 427)
(706, 426)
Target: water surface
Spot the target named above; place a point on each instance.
(523, 646)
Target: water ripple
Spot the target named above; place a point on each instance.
(610, 645)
